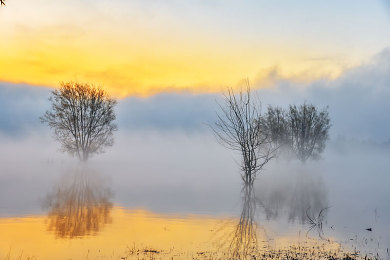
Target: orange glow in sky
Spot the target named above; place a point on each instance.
(143, 48)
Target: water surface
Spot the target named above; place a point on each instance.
(181, 195)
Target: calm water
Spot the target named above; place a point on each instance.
(178, 195)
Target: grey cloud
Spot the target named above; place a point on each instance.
(358, 100)
(358, 104)
(167, 111)
(20, 107)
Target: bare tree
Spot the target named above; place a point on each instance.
(309, 130)
(237, 128)
(82, 117)
(2, 2)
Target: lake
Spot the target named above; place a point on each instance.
(180, 195)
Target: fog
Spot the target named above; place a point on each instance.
(181, 173)
(147, 170)
(142, 165)
(167, 160)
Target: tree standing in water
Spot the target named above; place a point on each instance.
(309, 129)
(82, 117)
(237, 128)
(301, 130)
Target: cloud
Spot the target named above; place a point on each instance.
(168, 111)
(20, 107)
(357, 100)
(358, 104)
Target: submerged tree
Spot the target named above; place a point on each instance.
(82, 117)
(237, 128)
(309, 129)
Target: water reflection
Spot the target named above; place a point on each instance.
(244, 240)
(79, 206)
(137, 234)
(299, 197)
(249, 239)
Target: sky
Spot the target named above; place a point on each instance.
(357, 102)
(169, 61)
(142, 48)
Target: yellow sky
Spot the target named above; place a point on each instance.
(146, 48)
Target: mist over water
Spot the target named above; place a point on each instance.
(166, 160)
(350, 183)
(183, 173)
(147, 170)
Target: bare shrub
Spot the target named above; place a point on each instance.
(237, 128)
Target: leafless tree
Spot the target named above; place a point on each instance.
(237, 128)
(2, 2)
(309, 129)
(82, 117)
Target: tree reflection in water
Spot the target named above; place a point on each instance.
(244, 241)
(79, 206)
(299, 197)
